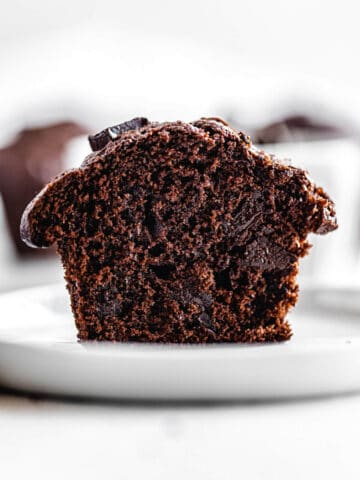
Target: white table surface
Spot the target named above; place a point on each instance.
(54, 439)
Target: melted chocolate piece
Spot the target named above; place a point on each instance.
(101, 139)
(265, 255)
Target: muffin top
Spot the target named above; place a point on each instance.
(51, 214)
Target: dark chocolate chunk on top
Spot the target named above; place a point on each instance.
(101, 139)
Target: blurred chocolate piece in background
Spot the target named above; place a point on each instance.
(297, 128)
(26, 165)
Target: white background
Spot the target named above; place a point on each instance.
(178, 59)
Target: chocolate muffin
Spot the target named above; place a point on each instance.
(179, 232)
(297, 128)
(26, 165)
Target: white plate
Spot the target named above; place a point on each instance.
(39, 353)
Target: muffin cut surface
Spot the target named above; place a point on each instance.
(179, 232)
